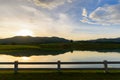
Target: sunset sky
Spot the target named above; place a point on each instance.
(71, 19)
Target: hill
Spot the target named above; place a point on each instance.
(101, 40)
(43, 40)
(32, 40)
(108, 40)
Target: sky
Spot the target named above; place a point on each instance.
(70, 19)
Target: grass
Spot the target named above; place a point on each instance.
(54, 75)
(62, 46)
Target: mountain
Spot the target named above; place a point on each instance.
(104, 40)
(115, 40)
(37, 40)
(31, 40)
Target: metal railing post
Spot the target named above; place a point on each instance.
(58, 66)
(105, 66)
(16, 67)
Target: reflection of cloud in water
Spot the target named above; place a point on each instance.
(24, 58)
(52, 52)
(68, 56)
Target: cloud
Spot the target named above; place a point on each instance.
(105, 15)
(20, 16)
(50, 4)
(62, 23)
(84, 12)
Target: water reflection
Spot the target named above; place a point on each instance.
(29, 53)
(33, 52)
(68, 57)
(25, 58)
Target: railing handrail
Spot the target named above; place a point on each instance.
(59, 63)
(92, 62)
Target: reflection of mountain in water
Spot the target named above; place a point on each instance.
(104, 51)
(50, 52)
(34, 52)
(108, 51)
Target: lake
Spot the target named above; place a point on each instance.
(75, 56)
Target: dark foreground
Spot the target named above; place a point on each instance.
(54, 75)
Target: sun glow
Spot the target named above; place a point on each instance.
(25, 58)
(24, 32)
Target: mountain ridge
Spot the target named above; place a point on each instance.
(53, 39)
(115, 40)
(32, 40)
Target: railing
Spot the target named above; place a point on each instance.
(59, 63)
